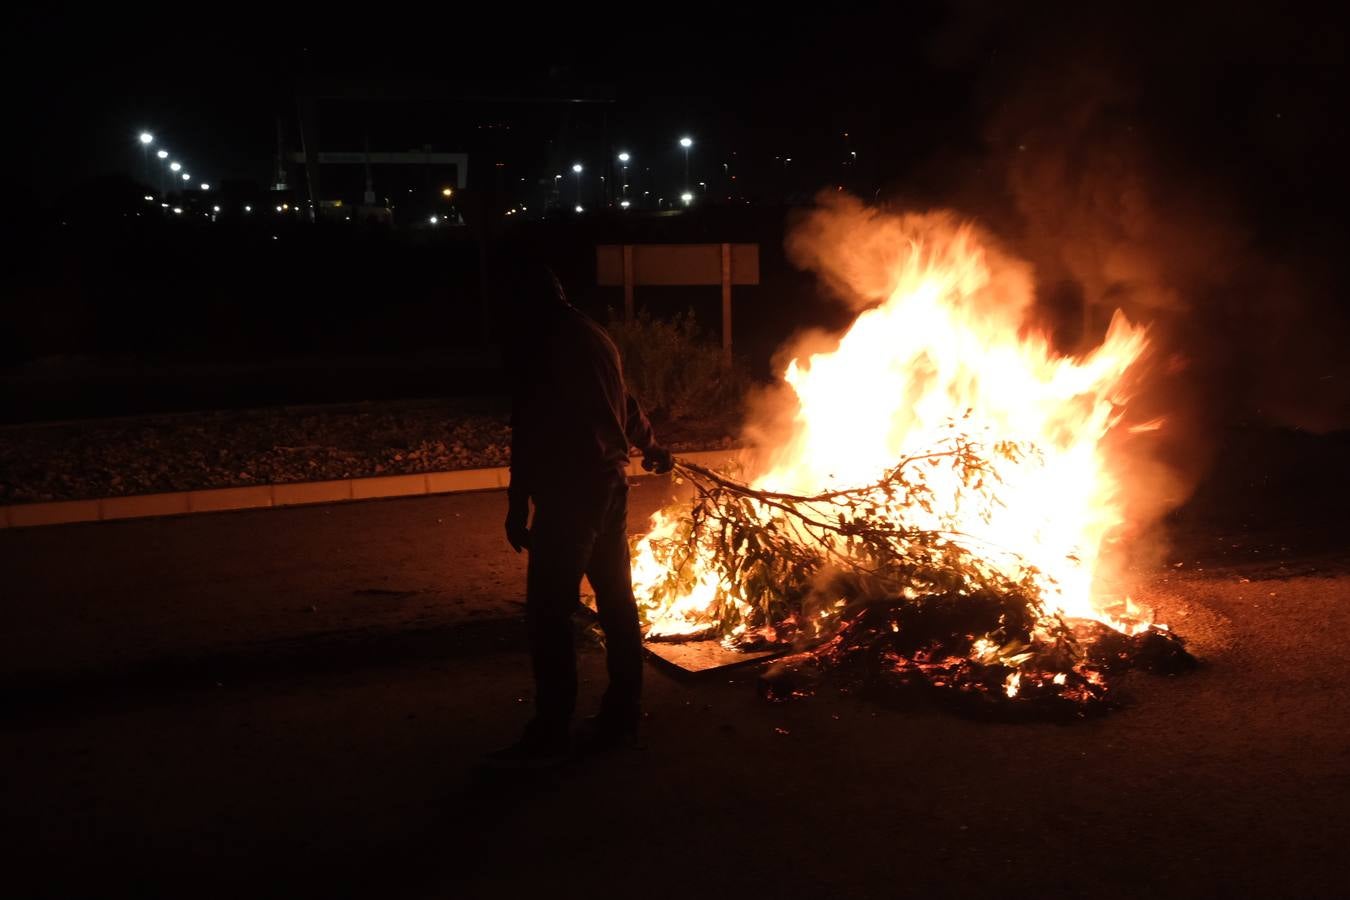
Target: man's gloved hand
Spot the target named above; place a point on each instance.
(657, 459)
(517, 525)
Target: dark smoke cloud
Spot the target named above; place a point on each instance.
(1177, 166)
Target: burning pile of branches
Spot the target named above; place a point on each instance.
(849, 582)
(947, 493)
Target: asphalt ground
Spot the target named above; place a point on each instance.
(292, 702)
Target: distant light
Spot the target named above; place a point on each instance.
(687, 198)
(215, 209)
(576, 167)
(175, 166)
(147, 138)
(187, 177)
(446, 192)
(178, 210)
(164, 205)
(162, 154)
(624, 204)
(686, 142)
(207, 187)
(435, 219)
(248, 208)
(580, 208)
(285, 206)
(278, 209)
(623, 157)
(150, 197)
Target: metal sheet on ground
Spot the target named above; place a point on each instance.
(698, 657)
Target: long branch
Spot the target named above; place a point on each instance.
(759, 493)
(779, 501)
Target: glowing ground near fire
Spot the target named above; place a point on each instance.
(937, 495)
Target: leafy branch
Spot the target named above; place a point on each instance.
(789, 565)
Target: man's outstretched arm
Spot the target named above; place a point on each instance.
(655, 458)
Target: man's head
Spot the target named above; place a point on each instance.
(533, 289)
(534, 299)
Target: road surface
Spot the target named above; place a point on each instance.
(291, 702)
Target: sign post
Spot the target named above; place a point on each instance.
(726, 304)
(674, 265)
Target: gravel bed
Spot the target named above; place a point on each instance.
(115, 457)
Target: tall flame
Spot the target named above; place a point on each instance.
(948, 342)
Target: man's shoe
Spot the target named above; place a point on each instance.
(538, 748)
(603, 733)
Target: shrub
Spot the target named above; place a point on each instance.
(676, 372)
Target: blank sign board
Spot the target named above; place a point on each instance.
(675, 264)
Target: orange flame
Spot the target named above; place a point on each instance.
(947, 342)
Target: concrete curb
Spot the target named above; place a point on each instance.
(180, 503)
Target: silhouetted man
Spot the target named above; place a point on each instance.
(572, 424)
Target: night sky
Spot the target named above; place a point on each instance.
(1235, 94)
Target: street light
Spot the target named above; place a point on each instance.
(146, 139)
(623, 158)
(687, 197)
(162, 154)
(576, 167)
(580, 208)
(686, 143)
(187, 177)
(205, 186)
(175, 166)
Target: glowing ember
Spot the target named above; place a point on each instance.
(942, 446)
